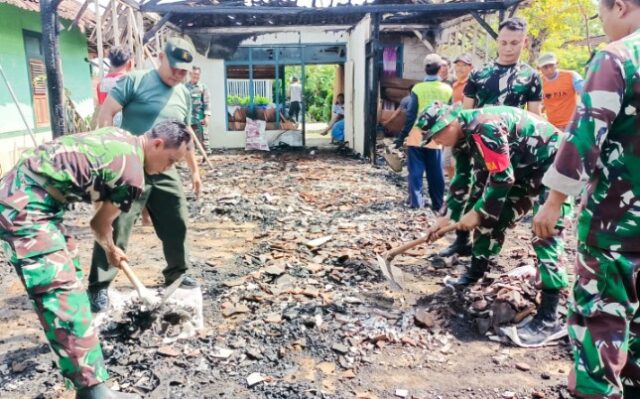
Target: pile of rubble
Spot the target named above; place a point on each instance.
(302, 310)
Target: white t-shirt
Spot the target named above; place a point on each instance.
(295, 91)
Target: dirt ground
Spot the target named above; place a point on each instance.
(284, 245)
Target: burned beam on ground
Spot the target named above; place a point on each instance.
(51, 50)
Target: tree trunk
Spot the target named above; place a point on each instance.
(535, 46)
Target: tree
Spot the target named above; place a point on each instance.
(553, 24)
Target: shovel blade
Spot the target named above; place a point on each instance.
(391, 273)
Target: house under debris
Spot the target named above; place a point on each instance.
(372, 43)
(377, 48)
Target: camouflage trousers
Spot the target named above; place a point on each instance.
(203, 135)
(604, 324)
(46, 259)
(489, 237)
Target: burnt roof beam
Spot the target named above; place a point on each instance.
(466, 7)
(485, 25)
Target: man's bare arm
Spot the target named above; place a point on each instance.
(468, 103)
(535, 107)
(108, 110)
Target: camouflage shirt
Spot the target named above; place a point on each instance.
(106, 164)
(602, 150)
(495, 84)
(199, 102)
(509, 144)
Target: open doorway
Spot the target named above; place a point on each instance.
(287, 87)
(322, 101)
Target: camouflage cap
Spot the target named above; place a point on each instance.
(436, 117)
(179, 52)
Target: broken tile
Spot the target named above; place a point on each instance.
(254, 379)
(221, 353)
(318, 242)
(402, 393)
(168, 350)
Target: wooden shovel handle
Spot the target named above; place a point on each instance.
(133, 278)
(396, 251)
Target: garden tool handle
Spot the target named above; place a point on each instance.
(446, 230)
(124, 265)
(401, 249)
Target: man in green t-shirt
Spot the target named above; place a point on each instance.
(146, 98)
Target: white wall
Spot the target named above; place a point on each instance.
(309, 35)
(213, 74)
(354, 84)
(413, 54)
(11, 148)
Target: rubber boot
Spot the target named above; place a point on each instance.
(101, 391)
(461, 246)
(99, 299)
(545, 326)
(474, 273)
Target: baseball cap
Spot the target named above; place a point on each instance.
(547, 59)
(179, 53)
(465, 57)
(432, 59)
(436, 117)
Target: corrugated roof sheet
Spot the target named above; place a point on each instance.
(68, 9)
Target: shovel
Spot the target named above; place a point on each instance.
(392, 273)
(393, 160)
(149, 297)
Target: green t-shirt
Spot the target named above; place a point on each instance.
(147, 100)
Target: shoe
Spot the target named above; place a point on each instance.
(187, 282)
(101, 391)
(545, 326)
(474, 273)
(461, 246)
(99, 300)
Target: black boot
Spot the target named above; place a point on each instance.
(461, 246)
(545, 326)
(101, 391)
(474, 273)
(99, 299)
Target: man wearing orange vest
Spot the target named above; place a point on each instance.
(560, 90)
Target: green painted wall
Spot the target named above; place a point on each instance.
(73, 50)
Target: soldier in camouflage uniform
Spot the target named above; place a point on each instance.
(200, 111)
(105, 166)
(507, 81)
(601, 153)
(515, 147)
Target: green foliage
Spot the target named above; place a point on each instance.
(261, 100)
(246, 101)
(553, 25)
(318, 85)
(233, 100)
(328, 104)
